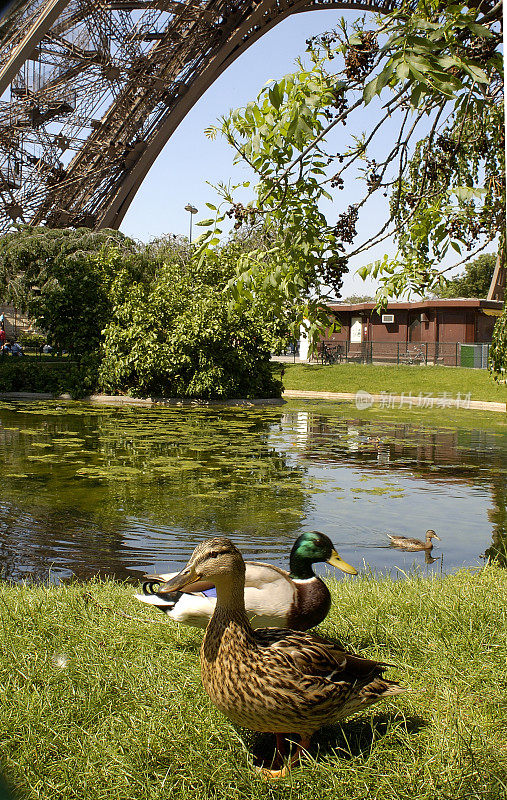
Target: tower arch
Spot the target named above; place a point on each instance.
(92, 90)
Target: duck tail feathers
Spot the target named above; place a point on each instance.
(381, 688)
(166, 604)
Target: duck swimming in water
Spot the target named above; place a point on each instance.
(297, 599)
(404, 543)
(278, 681)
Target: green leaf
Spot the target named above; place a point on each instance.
(402, 70)
(477, 73)
(369, 91)
(467, 192)
(480, 30)
(205, 223)
(419, 63)
(425, 24)
(420, 77)
(446, 62)
(384, 77)
(275, 97)
(415, 97)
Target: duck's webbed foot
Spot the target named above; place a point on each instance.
(281, 748)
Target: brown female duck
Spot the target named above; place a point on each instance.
(404, 543)
(271, 680)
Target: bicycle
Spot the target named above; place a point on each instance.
(414, 356)
(331, 355)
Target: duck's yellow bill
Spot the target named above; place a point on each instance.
(337, 561)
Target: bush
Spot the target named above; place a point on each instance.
(28, 374)
(174, 336)
(32, 340)
(60, 278)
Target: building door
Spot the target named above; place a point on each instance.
(470, 327)
(356, 329)
(414, 328)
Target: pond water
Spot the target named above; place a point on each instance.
(88, 490)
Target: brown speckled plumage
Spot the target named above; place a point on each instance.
(406, 543)
(279, 680)
(274, 680)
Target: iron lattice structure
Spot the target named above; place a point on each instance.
(93, 89)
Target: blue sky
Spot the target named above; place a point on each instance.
(189, 160)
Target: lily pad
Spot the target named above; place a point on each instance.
(44, 457)
(91, 472)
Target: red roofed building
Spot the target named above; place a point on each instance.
(427, 331)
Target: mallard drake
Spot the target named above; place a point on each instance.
(271, 680)
(297, 599)
(404, 543)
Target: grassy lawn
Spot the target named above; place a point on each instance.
(97, 705)
(375, 378)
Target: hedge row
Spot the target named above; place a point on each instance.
(35, 375)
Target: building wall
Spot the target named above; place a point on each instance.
(446, 325)
(451, 326)
(485, 325)
(381, 332)
(14, 321)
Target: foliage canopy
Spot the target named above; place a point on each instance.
(55, 276)
(172, 335)
(474, 281)
(434, 71)
(142, 319)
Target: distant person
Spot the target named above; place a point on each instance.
(3, 337)
(16, 349)
(47, 348)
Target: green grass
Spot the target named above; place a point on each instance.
(374, 378)
(97, 705)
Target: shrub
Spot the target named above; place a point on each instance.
(174, 335)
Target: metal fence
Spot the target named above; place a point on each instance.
(449, 354)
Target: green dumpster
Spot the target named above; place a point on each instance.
(467, 353)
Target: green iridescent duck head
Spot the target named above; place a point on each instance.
(313, 547)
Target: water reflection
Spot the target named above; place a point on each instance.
(498, 517)
(119, 491)
(105, 491)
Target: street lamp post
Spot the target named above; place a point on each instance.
(191, 210)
